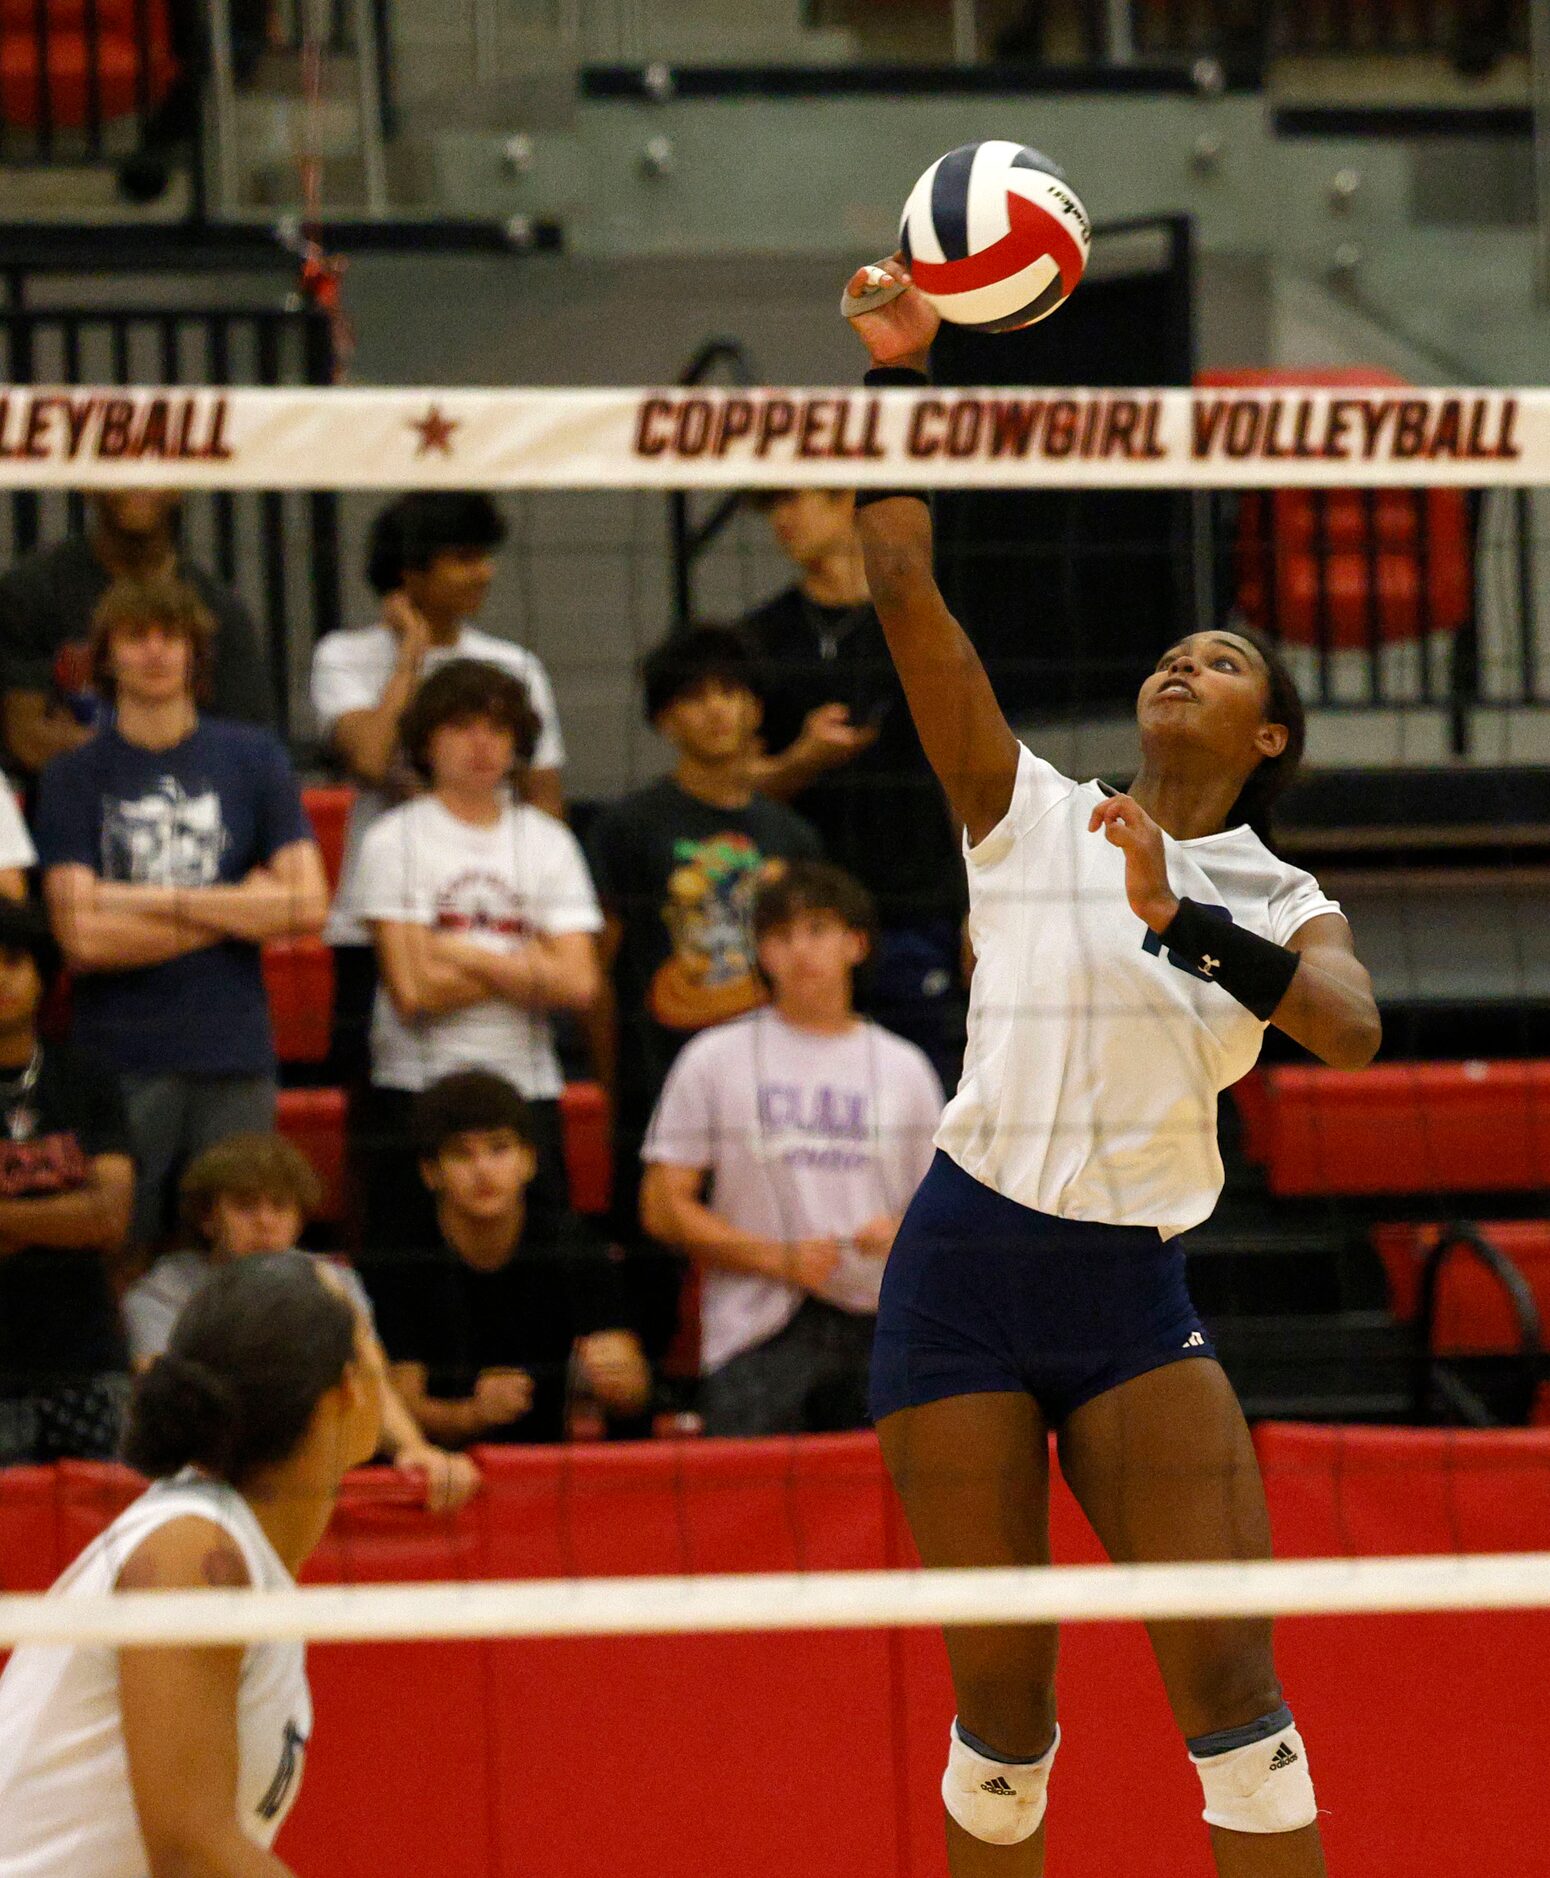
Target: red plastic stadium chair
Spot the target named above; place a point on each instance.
(1376, 562)
(126, 74)
(589, 1157)
(1408, 1127)
(299, 978)
(314, 1119)
(328, 809)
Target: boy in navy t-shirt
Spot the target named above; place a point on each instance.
(173, 846)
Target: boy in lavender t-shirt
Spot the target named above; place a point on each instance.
(781, 1157)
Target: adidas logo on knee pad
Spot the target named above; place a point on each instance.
(1000, 1802)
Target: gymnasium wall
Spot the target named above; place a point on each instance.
(803, 1756)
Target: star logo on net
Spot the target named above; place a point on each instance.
(435, 431)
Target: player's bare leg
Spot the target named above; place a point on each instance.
(973, 1473)
(1165, 1470)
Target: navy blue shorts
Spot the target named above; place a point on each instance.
(982, 1294)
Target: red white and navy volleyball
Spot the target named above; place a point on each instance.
(994, 236)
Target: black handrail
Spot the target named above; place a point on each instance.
(1462, 1235)
(688, 538)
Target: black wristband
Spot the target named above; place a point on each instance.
(1253, 970)
(880, 378)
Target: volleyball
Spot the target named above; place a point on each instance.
(994, 236)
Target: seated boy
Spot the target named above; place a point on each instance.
(512, 1328)
(254, 1193)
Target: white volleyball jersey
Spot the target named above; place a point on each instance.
(66, 1810)
(1094, 1058)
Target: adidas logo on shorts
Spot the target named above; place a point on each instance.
(1194, 1341)
(1284, 1756)
(1004, 1790)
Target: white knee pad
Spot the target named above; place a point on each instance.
(1261, 1786)
(1001, 1802)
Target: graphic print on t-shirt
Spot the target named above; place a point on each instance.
(165, 838)
(711, 974)
(820, 1125)
(480, 905)
(33, 1165)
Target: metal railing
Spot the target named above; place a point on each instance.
(1439, 1386)
(694, 523)
(320, 35)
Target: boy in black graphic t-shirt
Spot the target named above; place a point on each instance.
(677, 865)
(66, 1185)
(841, 747)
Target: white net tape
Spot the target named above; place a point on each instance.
(784, 1601)
(706, 437)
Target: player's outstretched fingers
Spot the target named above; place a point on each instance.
(872, 287)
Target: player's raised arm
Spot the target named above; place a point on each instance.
(965, 736)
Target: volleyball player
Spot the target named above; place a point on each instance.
(1131, 948)
(168, 1761)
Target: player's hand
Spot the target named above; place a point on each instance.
(448, 1479)
(409, 624)
(811, 1263)
(502, 1395)
(1128, 827)
(829, 739)
(615, 1366)
(874, 1240)
(901, 332)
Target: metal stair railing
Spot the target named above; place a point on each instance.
(1432, 1377)
(690, 534)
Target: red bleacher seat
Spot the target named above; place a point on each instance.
(1409, 1128)
(28, 1516)
(328, 809)
(1474, 1316)
(588, 1150)
(299, 978)
(1366, 547)
(314, 1119)
(133, 54)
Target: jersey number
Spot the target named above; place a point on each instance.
(285, 1773)
(1153, 943)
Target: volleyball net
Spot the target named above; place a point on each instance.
(748, 1617)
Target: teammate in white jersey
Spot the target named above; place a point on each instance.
(168, 1761)
(1131, 948)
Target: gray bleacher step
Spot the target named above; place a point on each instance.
(1337, 1366)
(1253, 1270)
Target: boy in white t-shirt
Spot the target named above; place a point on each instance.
(431, 558)
(483, 915)
(781, 1157)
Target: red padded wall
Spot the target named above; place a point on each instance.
(809, 1755)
